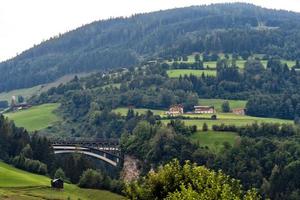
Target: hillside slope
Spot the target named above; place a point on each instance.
(17, 184)
(35, 118)
(123, 42)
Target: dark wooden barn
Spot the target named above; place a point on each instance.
(57, 183)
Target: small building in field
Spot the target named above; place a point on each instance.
(57, 183)
(239, 111)
(175, 110)
(21, 106)
(204, 110)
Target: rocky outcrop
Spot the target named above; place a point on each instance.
(131, 169)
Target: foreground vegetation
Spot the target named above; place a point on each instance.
(36, 117)
(17, 184)
(176, 182)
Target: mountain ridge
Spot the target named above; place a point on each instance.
(127, 41)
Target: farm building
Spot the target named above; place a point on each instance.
(239, 111)
(175, 110)
(57, 183)
(204, 109)
(20, 106)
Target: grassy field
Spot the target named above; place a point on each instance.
(228, 119)
(28, 92)
(35, 118)
(222, 118)
(114, 85)
(17, 184)
(175, 73)
(217, 103)
(213, 140)
(123, 111)
(240, 62)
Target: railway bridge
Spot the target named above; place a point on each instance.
(107, 150)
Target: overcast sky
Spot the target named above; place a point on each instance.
(24, 23)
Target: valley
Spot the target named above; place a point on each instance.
(143, 107)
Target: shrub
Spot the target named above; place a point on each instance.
(30, 165)
(91, 179)
(204, 127)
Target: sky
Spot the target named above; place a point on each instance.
(25, 23)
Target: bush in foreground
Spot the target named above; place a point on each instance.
(187, 182)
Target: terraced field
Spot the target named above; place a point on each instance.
(17, 184)
(35, 118)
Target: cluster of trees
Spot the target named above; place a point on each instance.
(196, 65)
(157, 143)
(268, 130)
(17, 147)
(121, 42)
(260, 130)
(278, 106)
(3, 104)
(16, 141)
(189, 181)
(97, 180)
(30, 165)
(267, 164)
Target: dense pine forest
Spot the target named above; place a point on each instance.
(124, 42)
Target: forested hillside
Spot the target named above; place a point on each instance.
(123, 42)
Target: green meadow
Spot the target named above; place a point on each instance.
(36, 117)
(222, 118)
(214, 140)
(17, 184)
(175, 73)
(26, 93)
(123, 111)
(239, 62)
(228, 119)
(217, 103)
